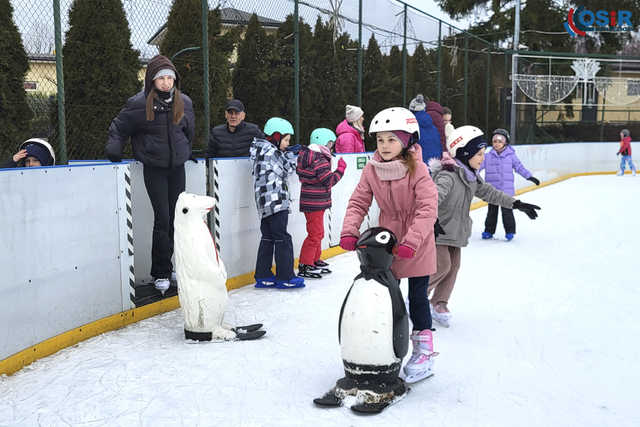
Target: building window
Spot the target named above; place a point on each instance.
(633, 87)
(30, 85)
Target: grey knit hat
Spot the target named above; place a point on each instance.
(352, 113)
(626, 132)
(418, 103)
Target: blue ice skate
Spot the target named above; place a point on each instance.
(294, 282)
(269, 282)
(486, 235)
(509, 236)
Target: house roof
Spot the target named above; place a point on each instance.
(228, 16)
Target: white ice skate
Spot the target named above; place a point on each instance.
(420, 365)
(442, 318)
(162, 285)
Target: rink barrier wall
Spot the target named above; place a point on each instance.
(236, 216)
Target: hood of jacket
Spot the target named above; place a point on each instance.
(434, 106)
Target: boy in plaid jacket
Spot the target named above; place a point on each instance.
(273, 161)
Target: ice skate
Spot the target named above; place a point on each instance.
(420, 365)
(162, 284)
(486, 235)
(294, 282)
(309, 271)
(321, 263)
(509, 236)
(268, 282)
(442, 317)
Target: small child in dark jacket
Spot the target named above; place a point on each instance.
(500, 164)
(273, 162)
(314, 171)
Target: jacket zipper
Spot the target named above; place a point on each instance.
(169, 140)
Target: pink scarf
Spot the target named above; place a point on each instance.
(390, 171)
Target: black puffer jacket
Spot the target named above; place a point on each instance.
(223, 143)
(157, 143)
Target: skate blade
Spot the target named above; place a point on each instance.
(412, 379)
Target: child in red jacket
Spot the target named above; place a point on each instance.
(314, 171)
(625, 151)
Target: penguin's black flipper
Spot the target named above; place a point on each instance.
(400, 318)
(248, 328)
(247, 336)
(329, 400)
(369, 408)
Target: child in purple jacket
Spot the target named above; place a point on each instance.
(500, 164)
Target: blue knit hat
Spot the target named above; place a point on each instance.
(40, 152)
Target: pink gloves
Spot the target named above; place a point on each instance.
(342, 165)
(348, 243)
(405, 252)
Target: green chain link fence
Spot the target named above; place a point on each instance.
(373, 53)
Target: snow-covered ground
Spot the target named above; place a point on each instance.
(545, 332)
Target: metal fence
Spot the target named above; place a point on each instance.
(418, 54)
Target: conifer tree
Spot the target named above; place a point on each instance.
(282, 80)
(375, 84)
(252, 74)
(420, 76)
(14, 110)
(393, 63)
(100, 73)
(183, 31)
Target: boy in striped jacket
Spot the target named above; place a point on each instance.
(314, 171)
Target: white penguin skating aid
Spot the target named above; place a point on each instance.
(202, 276)
(373, 331)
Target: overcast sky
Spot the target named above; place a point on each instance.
(35, 19)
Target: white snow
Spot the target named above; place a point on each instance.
(545, 332)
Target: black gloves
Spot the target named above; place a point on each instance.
(530, 210)
(437, 229)
(294, 148)
(533, 179)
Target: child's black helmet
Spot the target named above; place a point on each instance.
(502, 132)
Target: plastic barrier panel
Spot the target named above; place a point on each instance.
(60, 252)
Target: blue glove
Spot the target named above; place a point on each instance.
(294, 148)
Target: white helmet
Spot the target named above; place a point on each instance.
(395, 118)
(41, 142)
(461, 137)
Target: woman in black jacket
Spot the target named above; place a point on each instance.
(160, 122)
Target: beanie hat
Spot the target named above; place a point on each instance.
(353, 113)
(417, 103)
(470, 150)
(156, 65)
(165, 72)
(404, 137)
(41, 153)
(625, 132)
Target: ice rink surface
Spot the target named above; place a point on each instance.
(545, 331)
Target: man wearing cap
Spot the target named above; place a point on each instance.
(33, 152)
(233, 138)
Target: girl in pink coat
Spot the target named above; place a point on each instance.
(408, 201)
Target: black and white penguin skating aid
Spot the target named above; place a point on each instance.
(373, 330)
(202, 276)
